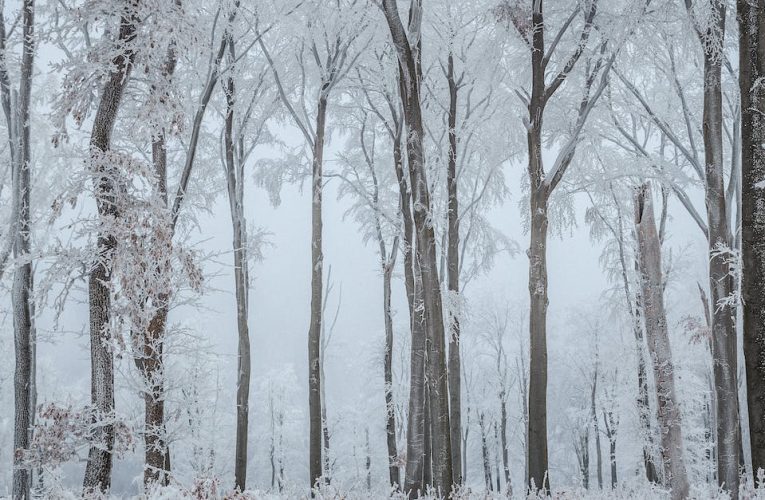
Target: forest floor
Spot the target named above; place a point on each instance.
(215, 492)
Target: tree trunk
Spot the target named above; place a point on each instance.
(22, 299)
(99, 467)
(453, 274)
(649, 252)
(390, 411)
(596, 428)
(537, 421)
(238, 224)
(724, 347)
(503, 443)
(485, 452)
(751, 19)
(314, 332)
(438, 394)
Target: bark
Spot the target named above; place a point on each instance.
(453, 267)
(314, 331)
(99, 466)
(751, 21)
(652, 285)
(503, 443)
(22, 300)
(582, 449)
(390, 411)
(150, 360)
(415, 442)
(234, 184)
(537, 421)
(596, 428)
(485, 452)
(610, 424)
(368, 460)
(438, 394)
(721, 285)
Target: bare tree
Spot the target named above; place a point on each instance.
(711, 34)
(16, 107)
(99, 467)
(407, 43)
(330, 50)
(542, 186)
(751, 22)
(652, 286)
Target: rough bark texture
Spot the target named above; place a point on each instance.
(453, 282)
(425, 256)
(751, 19)
(99, 467)
(23, 307)
(596, 427)
(314, 331)
(652, 285)
(150, 359)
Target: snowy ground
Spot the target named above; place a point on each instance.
(212, 491)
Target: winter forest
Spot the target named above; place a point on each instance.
(458, 249)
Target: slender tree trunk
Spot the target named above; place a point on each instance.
(596, 428)
(503, 443)
(390, 411)
(649, 252)
(427, 460)
(485, 452)
(751, 19)
(99, 467)
(317, 266)
(453, 274)
(238, 224)
(724, 347)
(23, 278)
(612, 455)
(150, 361)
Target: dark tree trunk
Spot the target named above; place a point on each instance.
(453, 275)
(724, 347)
(234, 186)
(98, 470)
(537, 421)
(317, 266)
(438, 394)
(503, 443)
(390, 411)
(485, 453)
(751, 20)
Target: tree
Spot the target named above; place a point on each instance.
(99, 467)
(710, 29)
(329, 47)
(751, 22)
(652, 287)
(16, 107)
(407, 43)
(542, 185)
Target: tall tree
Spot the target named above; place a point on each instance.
(544, 183)
(710, 29)
(99, 467)
(329, 47)
(655, 318)
(751, 22)
(16, 107)
(408, 45)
